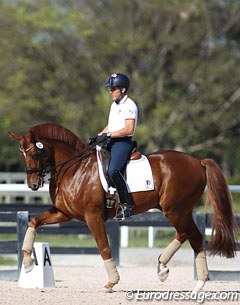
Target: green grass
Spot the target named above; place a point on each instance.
(7, 261)
(138, 237)
(53, 240)
(67, 240)
(58, 240)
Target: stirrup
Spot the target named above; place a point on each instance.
(123, 212)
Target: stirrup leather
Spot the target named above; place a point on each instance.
(111, 199)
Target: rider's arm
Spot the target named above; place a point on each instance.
(103, 131)
(127, 130)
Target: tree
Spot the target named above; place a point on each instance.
(181, 56)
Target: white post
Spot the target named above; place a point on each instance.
(150, 237)
(151, 234)
(124, 236)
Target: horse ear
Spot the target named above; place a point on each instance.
(14, 136)
(31, 136)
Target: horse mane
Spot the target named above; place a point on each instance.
(57, 133)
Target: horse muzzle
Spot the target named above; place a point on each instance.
(39, 181)
(34, 186)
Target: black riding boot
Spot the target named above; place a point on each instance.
(125, 202)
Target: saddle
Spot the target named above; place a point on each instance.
(104, 156)
(138, 174)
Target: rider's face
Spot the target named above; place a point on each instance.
(116, 93)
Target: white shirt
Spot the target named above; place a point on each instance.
(126, 109)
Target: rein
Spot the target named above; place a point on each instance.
(85, 153)
(42, 171)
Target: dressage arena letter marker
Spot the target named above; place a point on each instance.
(42, 274)
(46, 258)
(34, 257)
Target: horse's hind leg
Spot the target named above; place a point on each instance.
(186, 230)
(189, 230)
(196, 241)
(173, 247)
(201, 269)
(165, 257)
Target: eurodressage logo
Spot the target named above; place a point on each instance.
(199, 297)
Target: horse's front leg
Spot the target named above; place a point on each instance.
(49, 217)
(97, 227)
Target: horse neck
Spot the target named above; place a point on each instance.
(66, 160)
(62, 152)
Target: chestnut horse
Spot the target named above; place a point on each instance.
(76, 192)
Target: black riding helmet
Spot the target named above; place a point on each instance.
(118, 80)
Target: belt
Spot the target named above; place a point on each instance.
(123, 139)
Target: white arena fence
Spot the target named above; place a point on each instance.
(14, 189)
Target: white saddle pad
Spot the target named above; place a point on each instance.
(138, 174)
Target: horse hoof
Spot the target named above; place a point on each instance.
(199, 286)
(108, 287)
(163, 274)
(28, 266)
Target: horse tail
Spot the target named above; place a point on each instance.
(222, 241)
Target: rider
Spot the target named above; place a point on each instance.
(121, 126)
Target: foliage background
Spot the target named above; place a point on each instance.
(182, 56)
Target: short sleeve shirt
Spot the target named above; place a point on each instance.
(126, 109)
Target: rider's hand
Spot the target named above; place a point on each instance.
(102, 138)
(92, 140)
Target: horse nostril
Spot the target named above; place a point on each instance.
(34, 187)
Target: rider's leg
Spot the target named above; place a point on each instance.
(124, 197)
(120, 151)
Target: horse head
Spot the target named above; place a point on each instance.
(35, 155)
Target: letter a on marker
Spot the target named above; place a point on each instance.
(35, 257)
(46, 258)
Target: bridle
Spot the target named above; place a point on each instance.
(43, 170)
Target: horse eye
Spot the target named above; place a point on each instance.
(34, 157)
